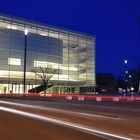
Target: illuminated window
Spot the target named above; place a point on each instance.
(40, 64)
(14, 61)
(43, 33)
(53, 65)
(11, 27)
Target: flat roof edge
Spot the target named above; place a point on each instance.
(36, 23)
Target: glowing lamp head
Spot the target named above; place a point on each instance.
(125, 61)
(132, 89)
(26, 32)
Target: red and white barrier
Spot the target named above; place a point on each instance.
(116, 99)
(98, 99)
(78, 97)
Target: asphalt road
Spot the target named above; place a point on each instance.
(13, 127)
(50, 120)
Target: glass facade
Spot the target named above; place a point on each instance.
(71, 53)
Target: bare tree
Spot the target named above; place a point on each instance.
(45, 74)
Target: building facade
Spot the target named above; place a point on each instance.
(71, 53)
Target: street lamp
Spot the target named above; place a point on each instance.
(131, 85)
(126, 72)
(26, 32)
(25, 53)
(125, 61)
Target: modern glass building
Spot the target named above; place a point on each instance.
(71, 53)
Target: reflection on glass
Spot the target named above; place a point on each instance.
(71, 53)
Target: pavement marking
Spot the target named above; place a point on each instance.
(98, 116)
(64, 123)
(62, 111)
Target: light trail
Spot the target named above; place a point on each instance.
(62, 111)
(64, 123)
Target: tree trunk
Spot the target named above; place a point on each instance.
(45, 87)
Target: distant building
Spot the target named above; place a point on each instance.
(106, 83)
(70, 52)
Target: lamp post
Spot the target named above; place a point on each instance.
(130, 81)
(25, 53)
(126, 72)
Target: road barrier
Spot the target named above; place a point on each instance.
(116, 99)
(98, 99)
(69, 97)
(78, 97)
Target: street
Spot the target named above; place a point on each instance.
(51, 120)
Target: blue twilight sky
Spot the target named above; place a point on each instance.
(114, 23)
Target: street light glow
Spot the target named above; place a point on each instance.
(125, 61)
(26, 32)
(132, 89)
